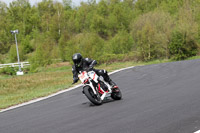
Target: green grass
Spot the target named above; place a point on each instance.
(18, 89)
(193, 58)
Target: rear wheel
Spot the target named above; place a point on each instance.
(94, 98)
(116, 95)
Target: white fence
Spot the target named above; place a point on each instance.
(23, 64)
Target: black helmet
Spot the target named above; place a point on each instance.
(77, 59)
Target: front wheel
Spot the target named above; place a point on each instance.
(95, 99)
(116, 95)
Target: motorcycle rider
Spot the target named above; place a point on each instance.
(81, 64)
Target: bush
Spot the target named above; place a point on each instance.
(13, 53)
(26, 46)
(42, 55)
(88, 44)
(121, 43)
(62, 45)
(8, 71)
(184, 39)
(13, 70)
(180, 48)
(151, 32)
(110, 58)
(1, 59)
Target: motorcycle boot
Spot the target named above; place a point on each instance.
(109, 81)
(114, 87)
(104, 74)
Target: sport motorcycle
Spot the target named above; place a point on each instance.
(96, 89)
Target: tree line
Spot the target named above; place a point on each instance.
(110, 30)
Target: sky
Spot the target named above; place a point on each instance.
(74, 2)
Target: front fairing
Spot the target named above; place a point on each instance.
(93, 76)
(91, 79)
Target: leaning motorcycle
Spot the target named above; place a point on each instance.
(96, 89)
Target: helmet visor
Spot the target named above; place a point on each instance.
(77, 63)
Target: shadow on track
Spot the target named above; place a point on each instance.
(108, 100)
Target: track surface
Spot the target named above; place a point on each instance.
(162, 98)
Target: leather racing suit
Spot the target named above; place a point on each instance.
(88, 64)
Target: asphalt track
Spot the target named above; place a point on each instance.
(161, 98)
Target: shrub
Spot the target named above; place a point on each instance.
(8, 71)
(26, 46)
(121, 43)
(184, 42)
(151, 32)
(62, 45)
(88, 44)
(110, 58)
(42, 55)
(13, 70)
(1, 59)
(180, 48)
(13, 53)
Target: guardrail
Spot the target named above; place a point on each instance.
(23, 64)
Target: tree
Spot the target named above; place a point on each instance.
(171, 6)
(4, 31)
(56, 21)
(67, 4)
(89, 44)
(42, 55)
(152, 33)
(184, 39)
(19, 13)
(121, 43)
(63, 45)
(46, 11)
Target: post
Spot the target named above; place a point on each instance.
(20, 72)
(18, 54)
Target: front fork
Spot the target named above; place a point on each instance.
(93, 89)
(98, 89)
(104, 93)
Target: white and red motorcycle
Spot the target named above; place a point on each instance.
(96, 89)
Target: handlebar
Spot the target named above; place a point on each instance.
(88, 69)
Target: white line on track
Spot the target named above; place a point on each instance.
(55, 94)
(197, 131)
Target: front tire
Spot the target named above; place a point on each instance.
(95, 99)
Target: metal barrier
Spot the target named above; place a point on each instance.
(23, 64)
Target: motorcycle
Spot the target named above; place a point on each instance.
(96, 89)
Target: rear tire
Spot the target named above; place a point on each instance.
(117, 95)
(95, 99)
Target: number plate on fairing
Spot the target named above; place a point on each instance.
(93, 76)
(83, 76)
